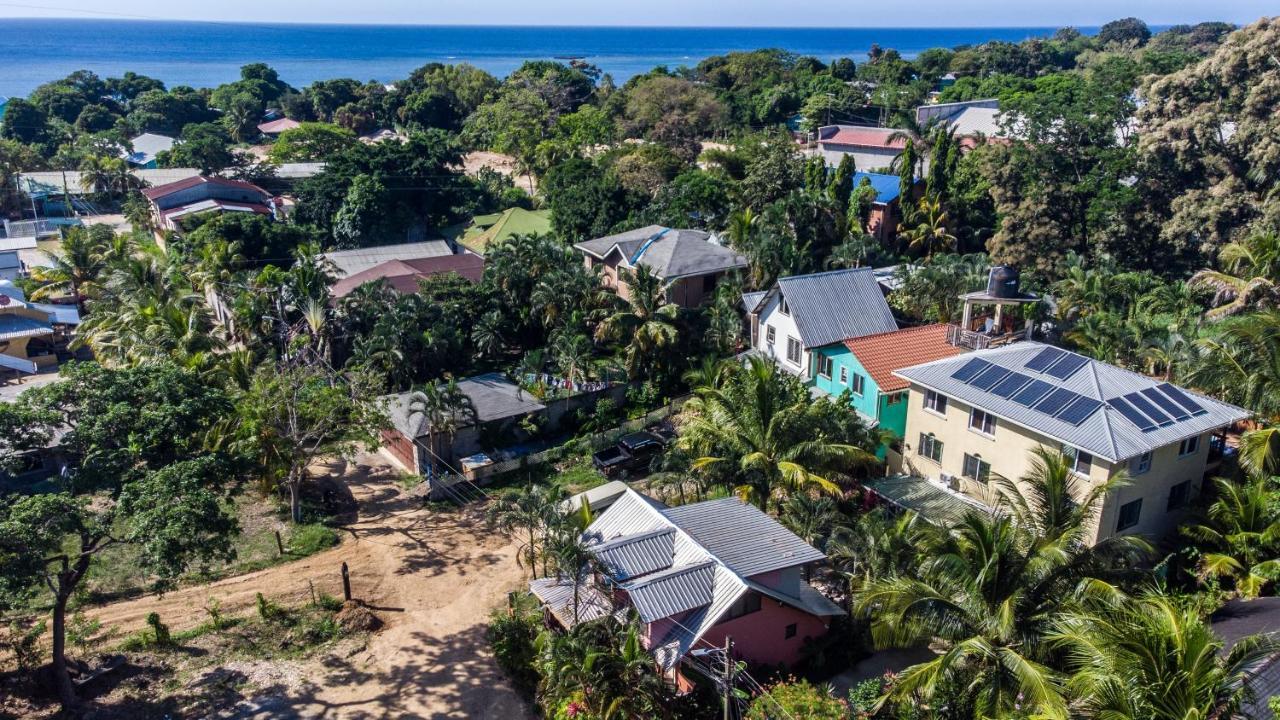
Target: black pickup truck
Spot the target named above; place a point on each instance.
(633, 452)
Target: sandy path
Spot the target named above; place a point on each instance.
(433, 577)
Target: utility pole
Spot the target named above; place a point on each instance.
(729, 667)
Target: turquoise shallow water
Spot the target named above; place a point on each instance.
(208, 54)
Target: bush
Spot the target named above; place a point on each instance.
(160, 630)
(21, 639)
(799, 699)
(328, 602)
(81, 630)
(268, 610)
(863, 696)
(512, 634)
(311, 538)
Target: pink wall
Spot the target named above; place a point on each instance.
(760, 637)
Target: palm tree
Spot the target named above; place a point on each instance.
(1242, 535)
(854, 251)
(747, 428)
(573, 354)
(444, 409)
(1260, 452)
(96, 174)
(1240, 361)
(1149, 659)
(813, 518)
(72, 269)
(989, 591)
(1250, 278)
(1051, 500)
(647, 324)
(925, 228)
(879, 545)
(528, 514)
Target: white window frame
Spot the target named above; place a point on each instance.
(859, 384)
(799, 351)
(770, 335)
(980, 428)
(933, 443)
(1074, 455)
(978, 475)
(825, 362)
(934, 400)
(844, 374)
(782, 306)
(1141, 465)
(1189, 446)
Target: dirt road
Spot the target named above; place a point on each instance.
(431, 576)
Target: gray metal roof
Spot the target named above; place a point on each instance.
(672, 591)
(19, 326)
(751, 299)
(669, 253)
(559, 597)
(350, 262)
(1106, 433)
(809, 600)
(493, 395)
(833, 306)
(1239, 619)
(926, 498)
(742, 537)
(630, 556)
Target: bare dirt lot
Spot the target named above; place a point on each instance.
(431, 576)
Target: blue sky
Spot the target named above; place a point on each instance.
(933, 13)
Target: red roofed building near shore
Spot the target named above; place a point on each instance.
(403, 275)
(872, 148)
(172, 202)
(275, 127)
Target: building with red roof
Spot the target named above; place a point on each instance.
(872, 148)
(403, 275)
(865, 365)
(275, 127)
(172, 202)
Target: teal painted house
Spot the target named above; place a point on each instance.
(865, 366)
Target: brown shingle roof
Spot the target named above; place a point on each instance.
(403, 275)
(883, 353)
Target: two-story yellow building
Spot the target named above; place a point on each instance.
(981, 414)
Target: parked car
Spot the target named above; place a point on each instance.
(632, 452)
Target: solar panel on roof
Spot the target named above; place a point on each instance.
(1079, 411)
(1067, 366)
(1011, 384)
(985, 379)
(1031, 394)
(1183, 399)
(1055, 401)
(1044, 359)
(1164, 403)
(1135, 399)
(969, 369)
(1144, 423)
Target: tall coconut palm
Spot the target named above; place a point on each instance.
(747, 429)
(72, 269)
(989, 591)
(527, 514)
(1260, 452)
(647, 325)
(1240, 361)
(1241, 534)
(1250, 278)
(879, 545)
(1051, 500)
(1149, 659)
(573, 353)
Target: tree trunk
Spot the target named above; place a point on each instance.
(66, 690)
(295, 499)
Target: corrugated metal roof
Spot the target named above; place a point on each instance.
(19, 326)
(558, 595)
(1106, 433)
(672, 591)
(834, 306)
(742, 537)
(888, 187)
(350, 262)
(924, 497)
(809, 600)
(630, 556)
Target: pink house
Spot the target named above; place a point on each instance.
(693, 575)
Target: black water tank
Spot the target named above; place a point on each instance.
(1003, 282)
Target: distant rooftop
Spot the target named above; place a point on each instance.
(350, 262)
(670, 253)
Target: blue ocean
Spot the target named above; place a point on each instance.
(205, 54)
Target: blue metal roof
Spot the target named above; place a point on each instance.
(887, 186)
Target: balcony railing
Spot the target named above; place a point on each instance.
(974, 340)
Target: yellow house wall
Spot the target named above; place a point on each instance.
(1009, 451)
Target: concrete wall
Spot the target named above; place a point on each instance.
(760, 637)
(1009, 450)
(864, 158)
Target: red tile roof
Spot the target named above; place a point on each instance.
(871, 137)
(278, 126)
(403, 275)
(883, 353)
(160, 191)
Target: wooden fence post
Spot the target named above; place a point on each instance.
(346, 583)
